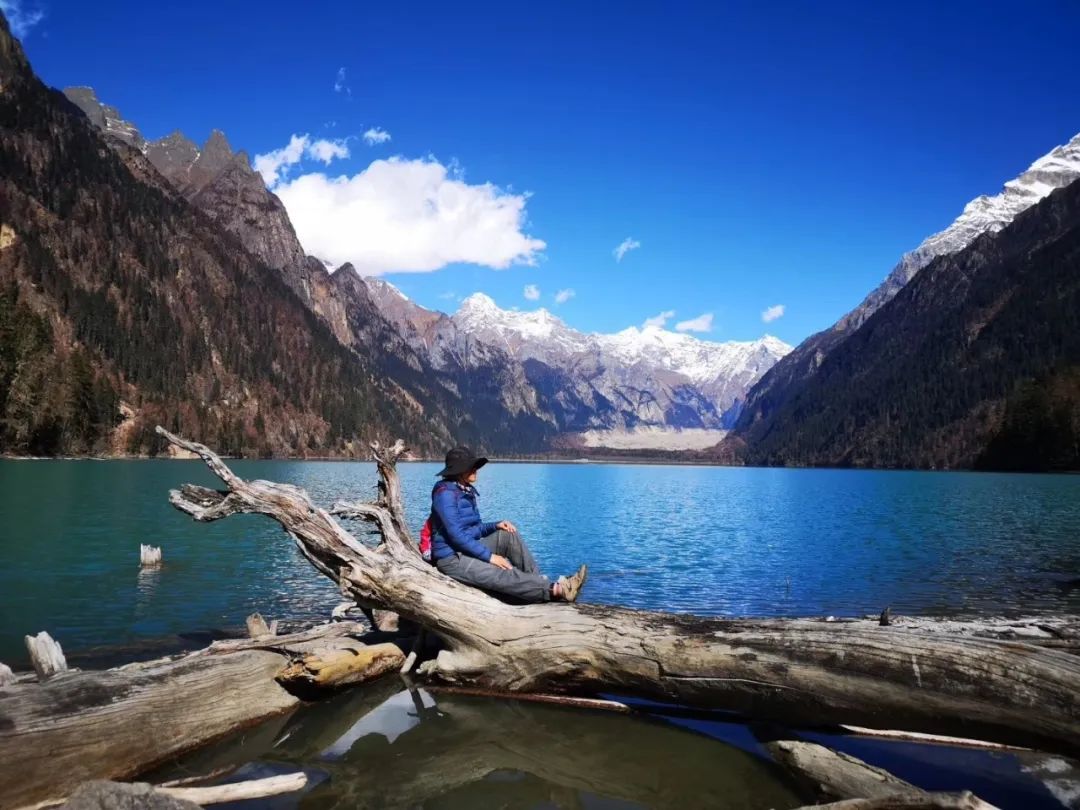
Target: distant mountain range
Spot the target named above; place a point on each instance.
(640, 387)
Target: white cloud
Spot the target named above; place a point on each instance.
(772, 313)
(702, 323)
(660, 320)
(327, 150)
(449, 296)
(562, 296)
(532, 292)
(408, 216)
(21, 17)
(376, 135)
(275, 165)
(625, 246)
(341, 85)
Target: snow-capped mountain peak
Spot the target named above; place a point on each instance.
(984, 214)
(478, 302)
(529, 333)
(702, 361)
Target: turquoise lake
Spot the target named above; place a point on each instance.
(710, 540)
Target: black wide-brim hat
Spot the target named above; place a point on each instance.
(461, 460)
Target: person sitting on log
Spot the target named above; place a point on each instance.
(489, 556)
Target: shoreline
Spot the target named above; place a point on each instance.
(611, 460)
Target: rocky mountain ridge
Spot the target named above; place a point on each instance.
(122, 306)
(510, 366)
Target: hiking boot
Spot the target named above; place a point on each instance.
(570, 587)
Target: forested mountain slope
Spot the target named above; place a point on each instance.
(120, 302)
(984, 214)
(975, 362)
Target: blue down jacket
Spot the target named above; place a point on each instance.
(455, 522)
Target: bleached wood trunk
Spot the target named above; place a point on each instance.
(796, 671)
(117, 723)
(149, 556)
(45, 655)
(238, 791)
(258, 628)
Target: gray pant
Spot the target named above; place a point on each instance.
(524, 583)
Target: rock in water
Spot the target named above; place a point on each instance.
(101, 795)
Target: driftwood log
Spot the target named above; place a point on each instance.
(117, 723)
(796, 671)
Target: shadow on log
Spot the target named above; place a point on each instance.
(795, 671)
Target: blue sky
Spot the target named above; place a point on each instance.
(761, 153)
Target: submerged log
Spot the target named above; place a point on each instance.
(928, 801)
(832, 775)
(117, 723)
(796, 671)
(452, 744)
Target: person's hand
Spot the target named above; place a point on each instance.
(506, 526)
(500, 562)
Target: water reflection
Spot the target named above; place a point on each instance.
(145, 585)
(416, 749)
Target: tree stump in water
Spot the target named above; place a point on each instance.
(45, 655)
(258, 628)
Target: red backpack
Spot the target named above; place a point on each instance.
(425, 539)
(427, 531)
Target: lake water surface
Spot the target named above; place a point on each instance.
(709, 540)
(703, 539)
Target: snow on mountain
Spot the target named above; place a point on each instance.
(540, 335)
(633, 385)
(984, 214)
(537, 335)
